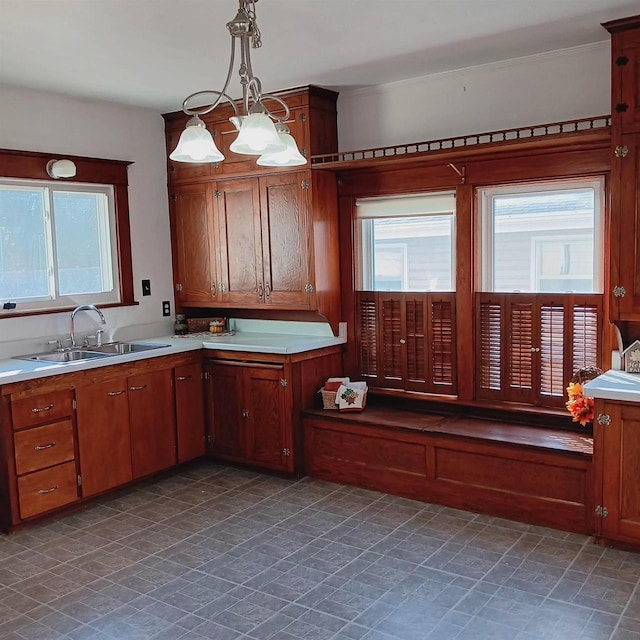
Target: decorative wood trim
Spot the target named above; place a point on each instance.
(622, 24)
(548, 135)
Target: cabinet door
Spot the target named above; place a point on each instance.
(285, 239)
(268, 422)
(224, 403)
(192, 220)
(625, 78)
(189, 411)
(625, 231)
(617, 447)
(104, 441)
(151, 416)
(240, 248)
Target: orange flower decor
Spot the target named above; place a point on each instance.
(580, 407)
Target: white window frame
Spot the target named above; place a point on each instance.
(486, 223)
(418, 205)
(109, 254)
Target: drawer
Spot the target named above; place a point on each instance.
(49, 489)
(43, 447)
(45, 407)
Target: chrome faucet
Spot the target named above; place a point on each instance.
(83, 307)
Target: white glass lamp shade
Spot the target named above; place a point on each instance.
(61, 169)
(196, 144)
(257, 136)
(290, 157)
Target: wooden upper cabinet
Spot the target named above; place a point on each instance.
(193, 240)
(624, 277)
(237, 205)
(285, 239)
(625, 73)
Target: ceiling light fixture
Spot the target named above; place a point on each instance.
(257, 133)
(61, 169)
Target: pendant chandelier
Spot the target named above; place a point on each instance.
(260, 131)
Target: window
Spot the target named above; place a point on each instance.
(405, 243)
(539, 315)
(57, 244)
(405, 306)
(542, 238)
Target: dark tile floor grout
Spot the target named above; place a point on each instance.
(220, 553)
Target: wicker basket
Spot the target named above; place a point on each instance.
(328, 399)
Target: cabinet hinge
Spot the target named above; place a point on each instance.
(304, 184)
(622, 61)
(216, 165)
(209, 439)
(217, 193)
(621, 151)
(178, 287)
(174, 198)
(214, 132)
(308, 288)
(74, 404)
(286, 452)
(619, 292)
(284, 382)
(304, 152)
(205, 375)
(79, 480)
(601, 512)
(621, 107)
(604, 419)
(302, 117)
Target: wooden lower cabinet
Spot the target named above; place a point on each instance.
(248, 416)
(189, 396)
(617, 460)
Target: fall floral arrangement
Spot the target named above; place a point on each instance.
(579, 406)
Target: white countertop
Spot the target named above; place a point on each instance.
(614, 385)
(16, 370)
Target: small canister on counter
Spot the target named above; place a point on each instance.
(181, 327)
(217, 325)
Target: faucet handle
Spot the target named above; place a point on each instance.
(56, 342)
(99, 333)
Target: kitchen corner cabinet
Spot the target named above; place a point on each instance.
(617, 469)
(69, 437)
(624, 301)
(254, 402)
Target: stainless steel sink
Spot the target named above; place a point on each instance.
(72, 355)
(118, 348)
(88, 353)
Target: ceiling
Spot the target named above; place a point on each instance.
(152, 53)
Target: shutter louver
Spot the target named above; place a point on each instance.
(521, 343)
(585, 336)
(415, 336)
(391, 334)
(367, 336)
(490, 343)
(552, 335)
(442, 354)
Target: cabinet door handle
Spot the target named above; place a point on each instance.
(116, 393)
(182, 378)
(213, 289)
(51, 490)
(140, 388)
(40, 409)
(42, 447)
(245, 413)
(260, 290)
(267, 290)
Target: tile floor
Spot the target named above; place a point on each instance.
(218, 553)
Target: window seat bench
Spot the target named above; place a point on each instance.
(530, 474)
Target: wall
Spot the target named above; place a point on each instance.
(35, 121)
(550, 87)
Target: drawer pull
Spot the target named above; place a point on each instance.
(116, 393)
(42, 447)
(140, 388)
(183, 378)
(41, 409)
(43, 491)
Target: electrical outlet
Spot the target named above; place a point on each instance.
(146, 287)
(166, 308)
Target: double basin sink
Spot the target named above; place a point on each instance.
(106, 350)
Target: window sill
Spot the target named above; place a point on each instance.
(16, 313)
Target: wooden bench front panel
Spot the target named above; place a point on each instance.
(542, 487)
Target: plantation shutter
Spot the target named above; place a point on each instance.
(490, 338)
(442, 344)
(366, 336)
